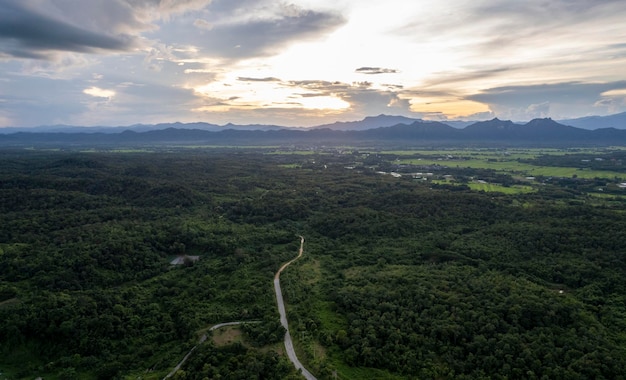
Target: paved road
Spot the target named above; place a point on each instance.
(291, 353)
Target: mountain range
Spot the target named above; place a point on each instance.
(391, 130)
(617, 121)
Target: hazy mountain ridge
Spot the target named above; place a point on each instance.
(140, 128)
(536, 132)
(617, 121)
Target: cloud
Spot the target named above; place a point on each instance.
(392, 86)
(522, 24)
(30, 102)
(363, 97)
(468, 74)
(539, 110)
(27, 33)
(33, 29)
(262, 38)
(99, 92)
(613, 101)
(332, 100)
(244, 29)
(451, 58)
(620, 93)
(150, 10)
(5, 120)
(558, 100)
(250, 79)
(571, 92)
(319, 85)
(488, 115)
(62, 66)
(375, 70)
(203, 24)
(505, 32)
(136, 103)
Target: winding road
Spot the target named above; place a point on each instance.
(291, 353)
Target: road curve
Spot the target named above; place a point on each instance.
(203, 338)
(291, 353)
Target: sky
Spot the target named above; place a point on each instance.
(308, 62)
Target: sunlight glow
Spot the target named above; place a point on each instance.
(337, 58)
(324, 103)
(267, 92)
(450, 107)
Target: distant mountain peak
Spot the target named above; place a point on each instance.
(369, 122)
(493, 125)
(545, 123)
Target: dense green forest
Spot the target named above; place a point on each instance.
(402, 278)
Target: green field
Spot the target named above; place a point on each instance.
(490, 187)
(513, 167)
(480, 152)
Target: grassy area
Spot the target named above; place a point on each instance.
(494, 188)
(227, 335)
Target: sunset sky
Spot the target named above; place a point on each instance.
(308, 62)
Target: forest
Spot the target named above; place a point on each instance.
(403, 277)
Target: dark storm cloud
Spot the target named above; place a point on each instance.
(25, 33)
(375, 70)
